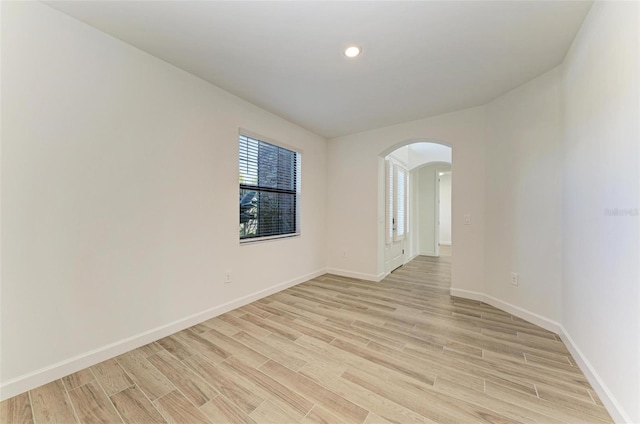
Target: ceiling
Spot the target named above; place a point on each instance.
(419, 59)
(417, 154)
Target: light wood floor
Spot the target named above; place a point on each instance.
(334, 350)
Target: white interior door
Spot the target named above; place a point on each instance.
(396, 214)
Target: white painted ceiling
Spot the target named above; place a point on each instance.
(422, 153)
(419, 58)
(416, 154)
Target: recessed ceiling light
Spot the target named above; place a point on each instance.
(352, 51)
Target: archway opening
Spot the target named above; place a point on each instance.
(414, 203)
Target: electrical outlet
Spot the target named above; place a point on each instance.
(467, 219)
(227, 277)
(515, 279)
(344, 254)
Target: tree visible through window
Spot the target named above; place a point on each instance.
(268, 189)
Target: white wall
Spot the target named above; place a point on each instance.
(523, 196)
(445, 209)
(562, 150)
(356, 202)
(427, 204)
(120, 198)
(601, 291)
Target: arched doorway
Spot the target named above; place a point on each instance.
(409, 201)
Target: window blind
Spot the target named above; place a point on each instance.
(268, 189)
(401, 202)
(389, 212)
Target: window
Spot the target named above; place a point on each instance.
(401, 202)
(390, 221)
(269, 190)
(396, 202)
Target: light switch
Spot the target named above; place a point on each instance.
(467, 219)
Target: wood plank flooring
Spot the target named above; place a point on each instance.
(334, 350)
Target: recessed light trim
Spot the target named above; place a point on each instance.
(352, 51)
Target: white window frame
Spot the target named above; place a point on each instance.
(298, 185)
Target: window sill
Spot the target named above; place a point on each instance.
(255, 240)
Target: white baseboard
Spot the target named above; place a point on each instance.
(357, 275)
(445, 243)
(428, 254)
(532, 317)
(467, 294)
(607, 398)
(613, 407)
(525, 314)
(45, 375)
